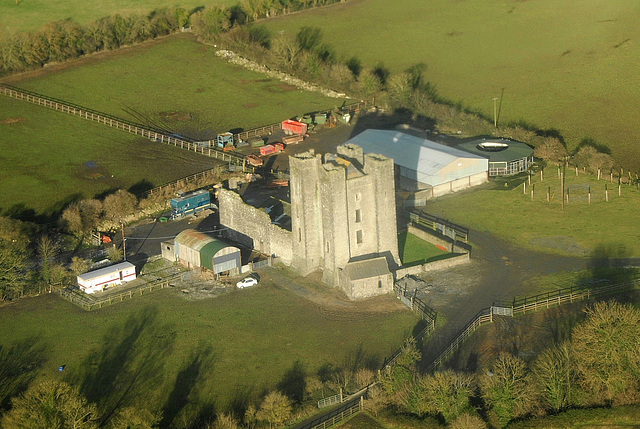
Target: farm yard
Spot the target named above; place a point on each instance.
(567, 66)
(219, 353)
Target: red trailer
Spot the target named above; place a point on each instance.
(254, 160)
(293, 139)
(271, 149)
(294, 127)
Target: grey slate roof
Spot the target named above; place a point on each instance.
(368, 268)
(420, 159)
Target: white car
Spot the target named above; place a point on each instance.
(246, 282)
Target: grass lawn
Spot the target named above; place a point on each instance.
(29, 15)
(217, 352)
(564, 65)
(603, 229)
(415, 251)
(45, 158)
(176, 83)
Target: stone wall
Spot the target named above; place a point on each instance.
(433, 266)
(252, 227)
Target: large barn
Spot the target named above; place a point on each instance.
(424, 165)
(198, 250)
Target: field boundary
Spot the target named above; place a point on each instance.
(531, 304)
(163, 136)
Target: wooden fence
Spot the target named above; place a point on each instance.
(163, 136)
(90, 303)
(416, 304)
(442, 226)
(337, 415)
(532, 304)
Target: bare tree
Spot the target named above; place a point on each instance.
(607, 353)
(14, 258)
(119, 205)
(51, 404)
(551, 150)
(445, 393)
(507, 390)
(275, 409)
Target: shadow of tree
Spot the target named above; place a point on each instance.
(185, 388)
(128, 368)
(609, 262)
(293, 382)
(19, 365)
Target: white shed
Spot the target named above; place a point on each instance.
(99, 280)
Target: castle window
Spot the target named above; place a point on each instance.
(359, 236)
(358, 216)
(327, 247)
(379, 284)
(358, 196)
(299, 234)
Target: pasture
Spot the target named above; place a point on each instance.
(175, 83)
(49, 158)
(604, 229)
(164, 352)
(29, 15)
(566, 65)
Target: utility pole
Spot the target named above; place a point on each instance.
(495, 112)
(124, 242)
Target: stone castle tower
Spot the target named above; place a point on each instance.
(343, 211)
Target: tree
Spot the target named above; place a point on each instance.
(308, 38)
(445, 393)
(285, 50)
(115, 254)
(468, 421)
(211, 21)
(14, 258)
(48, 248)
(119, 205)
(606, 352)
(51, 405)
(507, 390)
(555, 375)
(551, 150)
(369, 83)
(81, 217)
(135, 418)
(275, 409)
(79, 266)
(397, 379)
(224, 421)
(400, 88)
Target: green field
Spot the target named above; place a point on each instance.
(414, 250)
(46, 158)
(177, 84)
(191, 353)
(604, 229)
(30, 15)
(568, 65)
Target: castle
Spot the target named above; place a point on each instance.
(343, 220)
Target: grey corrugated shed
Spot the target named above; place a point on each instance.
(421, 159)
(368, 268)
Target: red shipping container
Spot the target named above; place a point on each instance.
(294, 127)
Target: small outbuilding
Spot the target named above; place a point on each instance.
(99, 280)
(506, 157)
(366, 278)
(196, 249)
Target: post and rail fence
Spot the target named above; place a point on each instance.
(90, 303)
(531, 304)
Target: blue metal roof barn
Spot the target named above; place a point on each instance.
(425, 163)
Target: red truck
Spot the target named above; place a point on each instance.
(294, 127)
(271, 149)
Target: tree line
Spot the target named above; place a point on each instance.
(599, 366)
(64, 40)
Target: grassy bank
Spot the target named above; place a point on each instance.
(179, 355)
(563, 65)
(414, 250)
